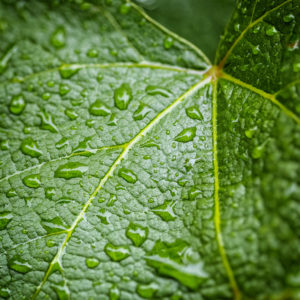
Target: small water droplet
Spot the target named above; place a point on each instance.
(125, 8)
(71, 113)
(76, 102)
(46, 96)
(4, 292)
(113, 120)
(237, 27)
(62, 143)
(99, 77)
(71, 170)
(271, 30)
(17, 104)
(165, 211)
(258, 151)
(18, 264)
(47, 122)
(288, 18)
(296, 67)
(147, 291)
(64, 89)
(250, 132)
(104, 214)
(99, 109)
(62, 291)
(186, 135)
(32, 181)
(91, 262)
(168, 42)
(54, 225)
(11, 193)
(5, 218)
(141, 112)
(4, 145)
(116, 253)
(67, 71)
(123, 96)
(50, 243)
(256, 50)
(193, 112)
(84, 93)
(182, 181)
(50, 192)
(29, 147)
(58, 37)
(92, 53)
(112, 200)
(156, 90)
(150, 143)
(137, 233)
(194, 193)
(128, 175)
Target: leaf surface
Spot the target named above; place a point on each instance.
(132, 168)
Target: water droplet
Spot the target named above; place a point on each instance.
(137, 233)
(123, 96)
(11, 193)
(113, 120)
(47, 122)
(50, 243)
(193, 112)
(296, 67)
(271, 30)
(50, 192)
(237, 27)
(147, 291)
(17, 104)
(250, 132)
(99, 109)
(67, 71)
(258, 151)
(4, 292)
(64, 89)
(76, 102)
(18, 264)
(288, 18)
(84, 93)
(58, 37)
(165, 211)
(62, 291)
(99, 77)
(29, 147)
(5, 218)
(168, 42)
(141, 112)
(62, 143)
(71, 170)
(112, 200)
(46, 96)
(6, 56)
(194, 193)
(54, 225)
(116, 253)
(125, 8)
(92, 53)
(4, 145)
(186, 135)
(32, 181)
(150, 143)
(128, 175)
(71, 113)
(91, 262)
(255, 50)
(155, 90)
(104, 214)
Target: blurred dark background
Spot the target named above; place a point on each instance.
(199, 21)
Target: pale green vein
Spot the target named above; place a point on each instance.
(262, 93)
(90, 151)
(221, 65)
(217, 216)
(111, 170)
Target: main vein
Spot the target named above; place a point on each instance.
(111, 170)
(217, 217)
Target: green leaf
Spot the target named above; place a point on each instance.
(132, 168)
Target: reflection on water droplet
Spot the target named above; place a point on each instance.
(47, 122)
(71, 170)
(29, 147)
(17, 104)
(67, 71)
(58, 37)
(123, 96)
(168, 42)
(193, 112)
(116, 253)
(147, 291)
(71, 113)
(186, 135)
(128, 175)
(5, 218)
(165, 211)
(32, 181)
(91, 262)
(141, 112)
(18, 264)
(156, 90)
(54, 225)
(99, 109)
(137, 233)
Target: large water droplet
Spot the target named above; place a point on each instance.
(91, 262)
(71, 170)
(137, 233)
(54, 225)
(194, 113)
(99, 109)
(116, 253)
(58, 37)
(156, 90)
(147, 291)
(123, 96)
(29, 147)
(5, 218)
(32, 181)
(47, 122)
(141, 112)
(128, 175)
(165, 211)
(67, 71)
(186, 135)
(18, 264)
(17, 104)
